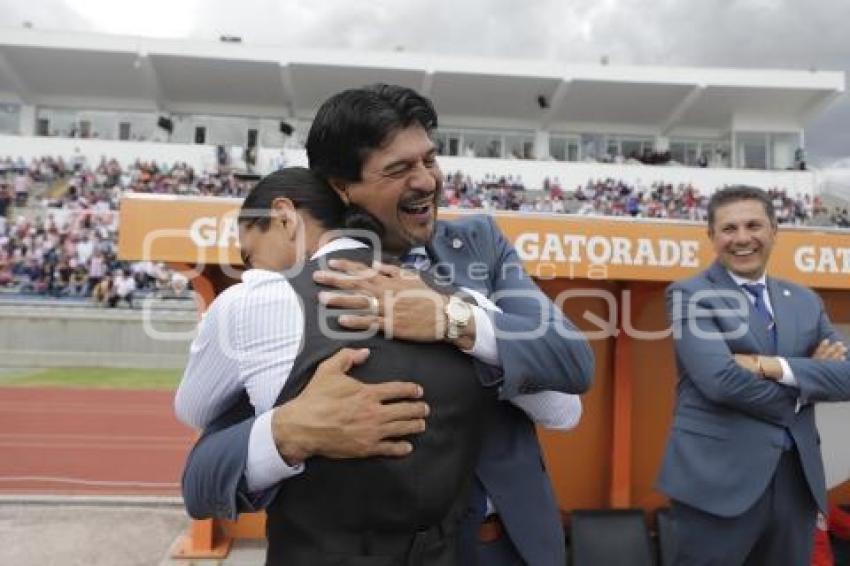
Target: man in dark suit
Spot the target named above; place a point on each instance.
(373, 146)
(743, 465)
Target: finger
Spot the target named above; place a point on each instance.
(345, 300)
(402, 428)
(401, 411)
(386, 269)
(339, 280)
(344, 360)
(388, 448)
(361, 321)
(832, 347)
(392, 390)
(351, 267)
(836, 351)
(829, 351)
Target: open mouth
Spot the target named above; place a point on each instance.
(417, 209)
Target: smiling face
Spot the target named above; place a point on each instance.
(400, 185)
(743, 236)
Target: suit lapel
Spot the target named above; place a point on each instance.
(722, 282)
(450, 248)
(784, 316)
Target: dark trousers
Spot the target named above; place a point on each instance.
(500, 552)
(777, 530)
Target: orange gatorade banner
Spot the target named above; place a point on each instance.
(202, 230)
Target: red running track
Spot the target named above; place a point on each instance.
(94, 442)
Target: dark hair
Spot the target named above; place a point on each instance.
(735, 193)
(300, 185)
(353, 123)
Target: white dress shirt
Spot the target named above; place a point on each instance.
(249, 340)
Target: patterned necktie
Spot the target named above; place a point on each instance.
(756, 290)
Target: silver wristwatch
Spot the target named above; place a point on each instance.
(458, 315)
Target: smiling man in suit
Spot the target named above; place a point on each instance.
(754, 353)
(373, 146)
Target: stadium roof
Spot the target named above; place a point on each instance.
(115, 72)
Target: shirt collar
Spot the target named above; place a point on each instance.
(418, 251)
(344, 243)
(743, 280)
(338, 244)
(255, 274)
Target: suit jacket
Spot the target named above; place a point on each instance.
(473, 253)
(729, 423)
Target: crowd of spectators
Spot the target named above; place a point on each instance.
(613, 197)
(75, 256)
(69, 248)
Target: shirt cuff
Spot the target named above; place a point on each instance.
(550, 409)
(787, 374)
(265, 466)
(789, 380)
(485, 348)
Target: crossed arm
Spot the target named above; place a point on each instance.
(747, 381)
(704, 357)
(823, 376)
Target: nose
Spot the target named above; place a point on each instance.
(741, 236)
(424, 178)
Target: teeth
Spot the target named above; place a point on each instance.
(416, 209)
(744, 252)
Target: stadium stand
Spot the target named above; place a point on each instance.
(60, 241)
(59, 222)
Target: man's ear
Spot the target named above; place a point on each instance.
(340, 187)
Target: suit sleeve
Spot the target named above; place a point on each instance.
(704, 357)
(213, 479)
(822, 380)
(539, 348)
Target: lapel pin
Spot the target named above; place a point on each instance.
(457, 243)
(786, 292)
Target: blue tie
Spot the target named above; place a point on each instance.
(757, 292)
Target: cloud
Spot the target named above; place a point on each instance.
(731, 33)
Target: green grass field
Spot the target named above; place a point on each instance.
(99, 378)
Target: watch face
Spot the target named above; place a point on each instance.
(459, 311)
